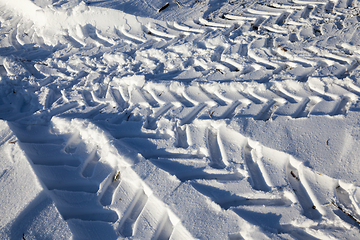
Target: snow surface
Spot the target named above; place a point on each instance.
(210, 119)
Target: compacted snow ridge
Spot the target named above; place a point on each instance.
(209, 119)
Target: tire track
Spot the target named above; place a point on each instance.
(165, 229)
(174, 31)
(306, 106)
(346, 202)
(181, 137)
(295, 188)
(295, 181)
(195, 102)
(268, 110)
(217, 157)
(93, 180)
(127, 224)
(251, 160)
(67, 193)
(262, 41)
(192, 114)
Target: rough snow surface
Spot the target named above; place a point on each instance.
(208, 119)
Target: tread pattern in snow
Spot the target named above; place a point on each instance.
(245, 63)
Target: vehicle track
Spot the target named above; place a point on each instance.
(222, 56)
(96, 175)
(230, 65)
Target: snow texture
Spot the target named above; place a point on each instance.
(206, 119)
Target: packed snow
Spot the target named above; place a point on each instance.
(181, 119)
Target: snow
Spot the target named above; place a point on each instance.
(207, 120)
